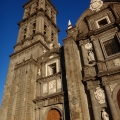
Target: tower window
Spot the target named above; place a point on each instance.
(51, 69)
(112, 46)
(45, 29)
(52, 36)
(102, 22)
(34, 28)
(25, 31)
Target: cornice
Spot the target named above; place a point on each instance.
(29, 47)
(96, 32)
(48, 77)
(48, 97)
(25, 62)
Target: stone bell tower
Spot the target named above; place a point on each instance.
(38, 34)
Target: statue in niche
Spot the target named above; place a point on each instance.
(105, 116)
(91, 57)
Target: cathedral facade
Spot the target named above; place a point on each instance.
(77, 81)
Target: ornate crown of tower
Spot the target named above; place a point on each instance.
(38, 23)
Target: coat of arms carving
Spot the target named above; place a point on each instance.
(100, 95)
(96, 5)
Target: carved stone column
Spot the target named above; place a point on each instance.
(37, 114)
(40, 24)
(94, 102)
(84, 53)
(113, 110)
(38, 90)
(28, 30)
(97, 48)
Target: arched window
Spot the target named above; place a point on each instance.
(53, 115)
(118, 98)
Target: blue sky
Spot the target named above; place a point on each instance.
(11, 13)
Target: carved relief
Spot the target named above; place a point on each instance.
(59, 86)
(99, 95)
(27, 12)
(117, 62)
(35, 6)
(101, 66)
(88, 46)
(45, 88)
(96, 5)
(113, 86)
(89, 71)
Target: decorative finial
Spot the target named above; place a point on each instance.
(96, 5)
(69, 24)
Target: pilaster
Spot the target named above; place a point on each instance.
(113, 110)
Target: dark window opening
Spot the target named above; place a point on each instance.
(45, 28)
(25, 31)
(112, 46)
(102, 22)
(34, 28)
(52, 36)
(52, 69)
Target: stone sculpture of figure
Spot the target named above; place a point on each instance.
(91, 56)
(105, 116)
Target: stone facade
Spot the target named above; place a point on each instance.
(79, 81)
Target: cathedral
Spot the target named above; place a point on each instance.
(77, 81)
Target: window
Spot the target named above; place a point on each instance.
(24, 34)
(102, 22)
(34, 28)
(112, 46)
(51, 69)
(52, 36)
(45, 29)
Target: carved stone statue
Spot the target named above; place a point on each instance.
(91, 57)
(105, 116)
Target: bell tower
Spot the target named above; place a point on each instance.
(38, 33)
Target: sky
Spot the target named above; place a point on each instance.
(11, 12)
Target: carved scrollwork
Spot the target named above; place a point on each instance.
(99, 95)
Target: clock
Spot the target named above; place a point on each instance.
(52, 86)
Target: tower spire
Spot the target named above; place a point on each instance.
(69, 24)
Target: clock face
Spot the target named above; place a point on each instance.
(52, 86)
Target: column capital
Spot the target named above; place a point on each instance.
(105, 81)
(81, 43)
(92, 84)
(93, 38)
